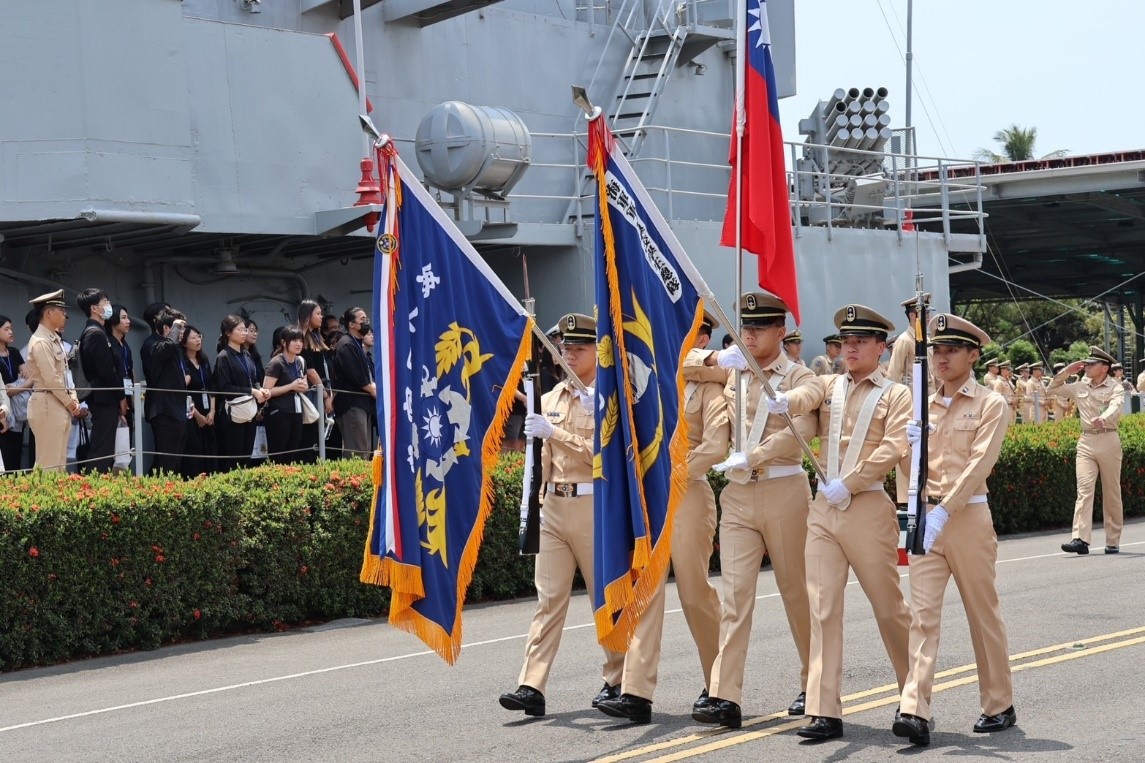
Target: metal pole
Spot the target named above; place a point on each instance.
(137, 392)
(360, 62)
(321, 422)
(742, 52)
(909, 61)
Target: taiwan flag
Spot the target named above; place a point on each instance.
(766, 209)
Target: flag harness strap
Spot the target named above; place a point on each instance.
(862, 424)
(751, 442)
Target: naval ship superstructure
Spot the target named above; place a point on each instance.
(208, 152)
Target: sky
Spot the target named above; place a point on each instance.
(1066, 68)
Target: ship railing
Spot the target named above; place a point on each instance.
(687, 174)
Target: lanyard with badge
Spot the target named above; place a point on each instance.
(128, 382)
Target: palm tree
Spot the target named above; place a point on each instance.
(1017, 146)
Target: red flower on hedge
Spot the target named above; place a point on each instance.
(34, 552)
(196, 614)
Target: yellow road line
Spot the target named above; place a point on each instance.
(735, 737)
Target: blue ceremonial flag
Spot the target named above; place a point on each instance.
(648, 315)
(452, 343)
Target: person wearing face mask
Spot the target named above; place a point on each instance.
(354, 376)
(106, 401)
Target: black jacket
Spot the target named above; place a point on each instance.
(352, 371)
(166, 374)
(98, 361)
(235, 373)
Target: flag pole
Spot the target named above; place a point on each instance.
(740, 121)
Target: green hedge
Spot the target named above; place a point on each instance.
(95, 565)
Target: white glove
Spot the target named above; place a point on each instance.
(835, 491)
(588, 399)
(735, 460)
(537, 425)
(778, 404)
(732, 357)
(935, 521)
(914, 432)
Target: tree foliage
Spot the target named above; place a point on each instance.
(1017, 146)
(1047, 325)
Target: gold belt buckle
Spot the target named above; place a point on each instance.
(565, 489)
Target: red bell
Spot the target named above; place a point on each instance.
(369, 192)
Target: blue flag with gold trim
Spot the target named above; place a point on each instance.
(452, 342)
(648, 315)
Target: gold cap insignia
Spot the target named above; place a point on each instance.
(942, 322)
(750, 301)
(570, 321)
(851, 313)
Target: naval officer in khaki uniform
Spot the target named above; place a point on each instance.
(970, 422)
(793, 347)
(991, 374)
(824, 364)
(1141, 376)
(706, 414)
(1099, 403)
(764, 508)
(853, 525)
(1004, 384)
(1037, 401)
(566, 424)
(53, 406)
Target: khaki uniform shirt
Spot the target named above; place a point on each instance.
(706, 414)
(821, 365)
(885, 442)
(777, 445)
(1141, 382)
(48, 367)
(965, 444)
(1100, 401)
(1006, 389)
(900, 368)
(567, 455)
(988, 380)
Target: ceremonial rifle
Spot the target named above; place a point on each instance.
(916, 493)
(529, 531)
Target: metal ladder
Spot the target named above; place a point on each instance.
(654, 46)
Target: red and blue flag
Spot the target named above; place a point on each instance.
(766, 209)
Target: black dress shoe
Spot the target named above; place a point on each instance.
(1076, 546)
(635, 709)
(608, 692)
(700, 701)
(1112, 550)
(990, 723)
(799, 706)
(916, 729)
(525, 698)
(719, 711)
(821, 728)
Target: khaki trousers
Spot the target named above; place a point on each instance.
(902, 480)
(1097, 454)
(565, 545)
(691, 553)
(865, 538)
(52, 425)
(768, 516)
(967, 548)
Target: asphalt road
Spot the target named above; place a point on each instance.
(362, 691)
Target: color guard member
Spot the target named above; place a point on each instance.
(900, 370)
(824, 364)
(1037, 401)
(793, 347)
(566, 425)
(764, 508)
(853, 525)
(53, 406)
(1099, 403)
(706, 413)
(969, 423)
